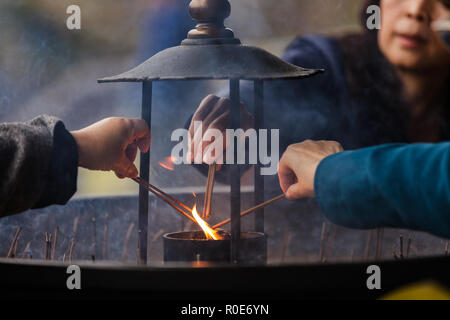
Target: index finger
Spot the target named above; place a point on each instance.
(141, 133)
(286, 175)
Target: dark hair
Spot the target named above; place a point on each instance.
(371, 77)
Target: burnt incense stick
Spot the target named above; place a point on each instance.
(47, 247)
(378, 250)
(105, 238)
(166, 198)
(286, 242)
(125, 244)
(72, 245)
(330, 241)
(446, 248)
(209, 190)
(25, 251)
(322, 241)
(94, 250)
(15, 248)
(159, 193)
(408, 245)
(155, 237)
(55, 241)
(13, 243)
(401, 246)
(368, 245)
(251, 210)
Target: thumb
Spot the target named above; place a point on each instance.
(296, 191)
(125, 168)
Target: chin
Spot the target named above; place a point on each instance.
(407, 60)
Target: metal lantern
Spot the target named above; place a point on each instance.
(211, 51)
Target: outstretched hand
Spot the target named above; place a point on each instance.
(298, 166)
(112, 144)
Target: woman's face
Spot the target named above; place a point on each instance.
(406, 37)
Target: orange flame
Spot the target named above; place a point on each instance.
(210, 234)
(168, 163)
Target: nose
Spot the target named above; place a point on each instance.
(420, 10)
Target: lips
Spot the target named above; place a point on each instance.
(411, 41)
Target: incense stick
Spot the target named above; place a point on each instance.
(209, 190)
(165, 197)
(286, 242)
(72, 245)
(48, 246)
(25, 251)
(105, 238)
(125, 244)
(401, 246)
(155, 237)
(251, 210)
(55, 241)
(380, 233)
(94, 250)
(13, 243)
(156, 190)
(322, 241)
(368, 245)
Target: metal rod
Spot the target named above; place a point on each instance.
(235, 176)
(252, 209)
(258, 177)
(145, 173)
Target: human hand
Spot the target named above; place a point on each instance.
(112, 144)
(298, 166)
(214, 113)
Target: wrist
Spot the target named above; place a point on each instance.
(81, 145)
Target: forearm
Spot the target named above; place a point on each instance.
(38, 165)
(402, 186)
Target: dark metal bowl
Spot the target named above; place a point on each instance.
(193, 246)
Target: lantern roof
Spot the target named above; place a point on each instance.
(212, 52)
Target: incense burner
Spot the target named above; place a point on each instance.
(192, 246)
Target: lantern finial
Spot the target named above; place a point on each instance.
(210, 28)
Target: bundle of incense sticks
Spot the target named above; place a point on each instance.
(178, 205)
(209, 190)
(171, 201)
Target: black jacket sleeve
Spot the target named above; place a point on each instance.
(38, 165)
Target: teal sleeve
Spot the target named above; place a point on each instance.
(396, 185)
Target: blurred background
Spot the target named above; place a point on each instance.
(47, 69)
